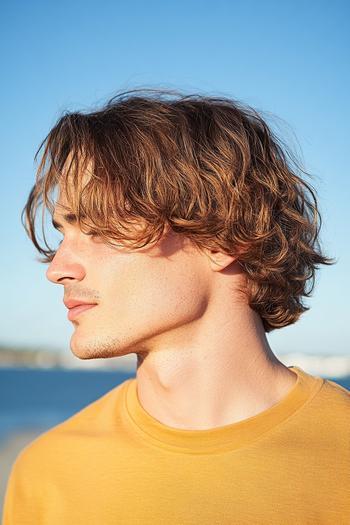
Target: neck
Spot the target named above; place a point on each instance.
(212, 372)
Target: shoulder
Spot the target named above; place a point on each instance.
(58, 442)
(336, 394)
(332, 405)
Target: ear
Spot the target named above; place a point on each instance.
(220, 260)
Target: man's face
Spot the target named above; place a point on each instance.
(144, 296)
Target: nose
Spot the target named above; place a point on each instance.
(65, 267)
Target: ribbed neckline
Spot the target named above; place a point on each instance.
(223, 438)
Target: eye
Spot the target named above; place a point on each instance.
(91, 233)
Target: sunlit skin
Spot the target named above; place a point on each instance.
(203, 359)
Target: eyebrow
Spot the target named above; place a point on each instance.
(71, 218)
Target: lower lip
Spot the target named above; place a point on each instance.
(74, 312)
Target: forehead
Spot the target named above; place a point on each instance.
(60, 208)
(63, 207)
(84, 175)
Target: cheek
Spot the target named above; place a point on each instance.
(155, 291)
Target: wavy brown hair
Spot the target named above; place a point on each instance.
(208, 167)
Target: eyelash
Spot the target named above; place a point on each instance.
(90, 234)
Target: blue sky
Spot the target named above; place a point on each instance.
(289, 59)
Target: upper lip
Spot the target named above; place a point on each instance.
(75, 302)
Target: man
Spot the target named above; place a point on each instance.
(188, 234)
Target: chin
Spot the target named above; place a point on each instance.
(90, 347)
(83, 347)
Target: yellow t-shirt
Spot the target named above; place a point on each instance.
(113, 463)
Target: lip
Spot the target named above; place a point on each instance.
(71, 303)
(77, 310)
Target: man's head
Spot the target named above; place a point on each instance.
(139, 293)
(164, 198)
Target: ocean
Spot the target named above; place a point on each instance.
(41, 398)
